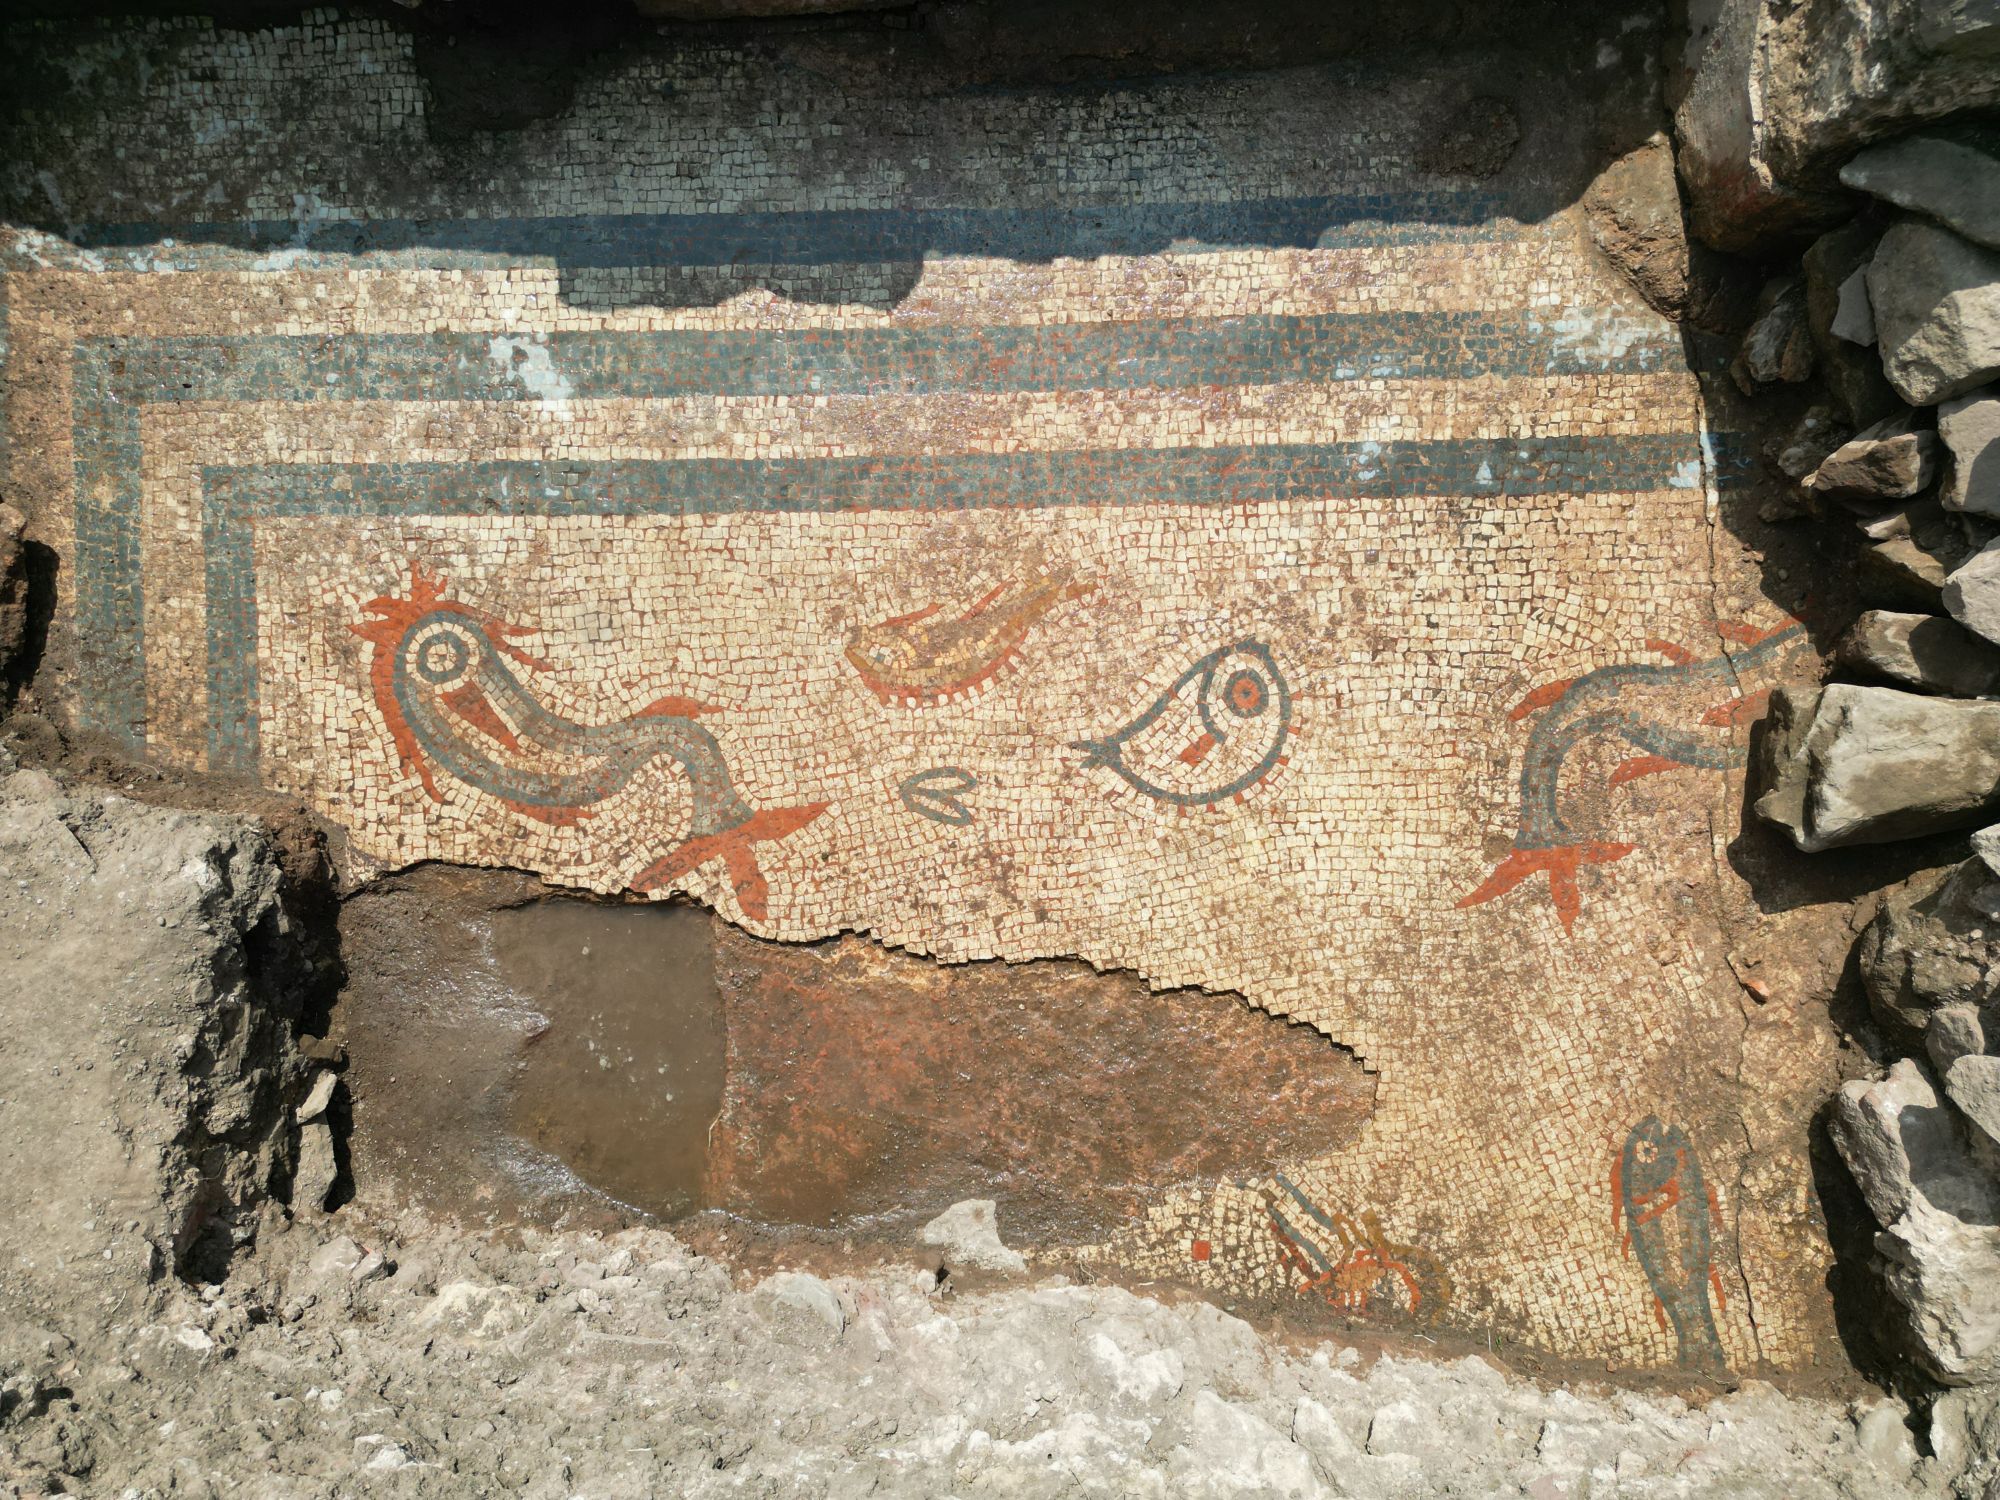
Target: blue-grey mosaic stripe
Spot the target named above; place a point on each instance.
(234, 496)
(113, 378)
(1253, 349)
(849, 236)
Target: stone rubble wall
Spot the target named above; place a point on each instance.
(1890, 326)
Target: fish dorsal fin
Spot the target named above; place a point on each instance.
(985, 602)
(910, 619)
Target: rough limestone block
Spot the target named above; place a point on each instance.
(1931, 653)
(1785, 95)
(1893, 459)
(1973, 1084)
(1934, 946)
(1969, 427)
(1937, 311)
(1953, 181)
(1778, 348)
(1955, 1031)
(969, 1233)
(1944, 1269)
(1843, 324)
(1912, 551)
(1902, 1146)
(1871, 764)
(1972, 592)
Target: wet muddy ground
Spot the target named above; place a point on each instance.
(520, 1057)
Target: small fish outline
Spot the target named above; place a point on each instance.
(1248, 697)
(924, 658)
(938, 794)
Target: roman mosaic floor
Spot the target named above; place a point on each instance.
(1161, 525)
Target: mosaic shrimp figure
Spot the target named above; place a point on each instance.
(1670, 1216)
(1356, 1268)
(1647, 706)
(454, 706)
(1221, 729)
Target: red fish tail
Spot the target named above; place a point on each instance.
(733, 846)
(1560, 864)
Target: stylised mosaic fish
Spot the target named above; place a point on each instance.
(1351, 1264)
(1669, 1211)
(1220, 730)
(1667, 711)
(928, 657)
(454, 706)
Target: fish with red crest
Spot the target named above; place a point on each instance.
(444, 679)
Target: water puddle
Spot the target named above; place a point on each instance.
(625, 1077)
(520, 1056)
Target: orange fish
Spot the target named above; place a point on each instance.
(929, 658)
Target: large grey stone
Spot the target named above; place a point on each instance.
(969, 1232)
(1955, 1031)
(1937, 311)
(1784, 95)
(1864, 765)
(1938, 1253)
(1903, 1146)
(1953, 181)
(1944, 1270)
(1973, 1084)
(1934, 945)
(1972, 592)
(1892, 459)
(1911, 551)
(1930, 653)
(1969, 427)
(1853, 319)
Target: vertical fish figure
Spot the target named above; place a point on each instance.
(1670, 712)
(1670, 1214)
(929, 657)
(1220, 730)
(455, 707)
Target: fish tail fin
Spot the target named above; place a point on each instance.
(1096, 753)
(733, 847)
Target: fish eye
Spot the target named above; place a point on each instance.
(1245, 693)
(442, 656)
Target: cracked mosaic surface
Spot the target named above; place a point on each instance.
(1162, 527)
